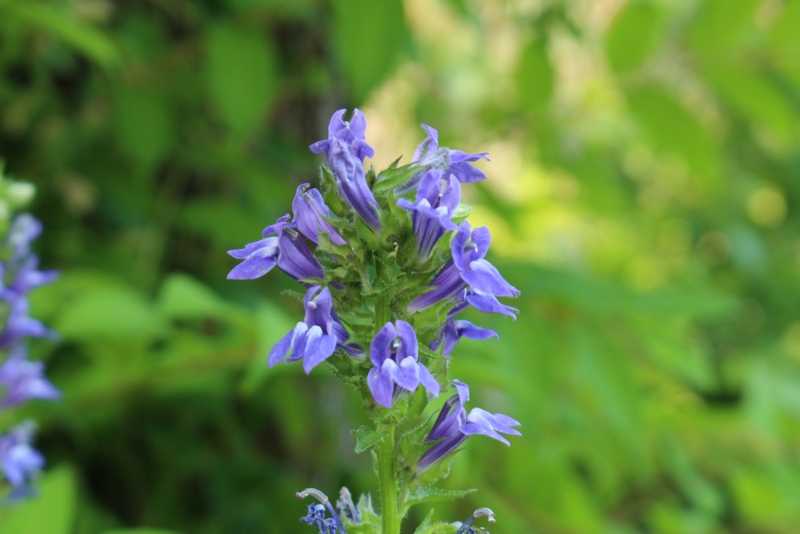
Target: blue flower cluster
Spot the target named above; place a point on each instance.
(359, 235)
(20, 378)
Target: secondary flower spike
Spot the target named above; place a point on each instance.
(282, 246)
(346, 149)
(315, 339)
(394, 353)
(437, 198)
(467, 267)
(454, 426)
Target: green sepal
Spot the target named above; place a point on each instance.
(370, 521)
(438, 528)
(432, 494)
(392, 177)
(426, 523)
(461, 213)
(330, 192)
(366, 438)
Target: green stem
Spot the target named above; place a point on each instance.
(390, 519)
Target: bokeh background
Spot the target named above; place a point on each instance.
(642, 194)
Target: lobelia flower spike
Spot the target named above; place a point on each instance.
(394, 353)
(346, 149)
(282, 245)
(437, 198)
(316, 338)
(453, 426)
(466, 268)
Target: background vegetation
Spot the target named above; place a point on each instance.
(643, 195)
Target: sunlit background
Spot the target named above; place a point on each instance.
(642, 194)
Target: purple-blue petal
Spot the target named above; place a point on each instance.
(379, 350)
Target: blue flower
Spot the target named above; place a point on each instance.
(459, 161)
(437, 199)
(316, 338)
(282, 246)
(311, 214)
(19, 461)
(453, 426)
(316, 517)
(466, 268)
(394, 353)
(453, 330)
(22, 380)
(455, 162)
(346, 149)
(352, 133)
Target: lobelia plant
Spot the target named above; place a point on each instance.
(389, 261)
(20, 378)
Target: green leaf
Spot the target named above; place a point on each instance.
(426, 523)
(63, 25)
(366, 438)
(52, 511)
(368, 37)
(432, 494)
(242, 75)
(535, 77)
(633, 36)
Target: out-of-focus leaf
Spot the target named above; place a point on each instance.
(88, 39)
(674, 130)
(52, 511)
(140, 531)
(109, 314)
(534, 77)
(144, 124)
(183, 296)
(720, 25)
(368, 37)
(241, 74)
(633, 35)
(757, 99)
(272, 324)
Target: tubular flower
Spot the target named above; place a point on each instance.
(346, 149)
(453, 426)
(394, 353)
(467, 267)
(22, 380)
(282, 246)
(316, 338)
(455, 162)
(453, 330)
(19, 461)
(311, 213)
(437, 199)
(352, 133)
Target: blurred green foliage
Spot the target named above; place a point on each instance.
(643, 195)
